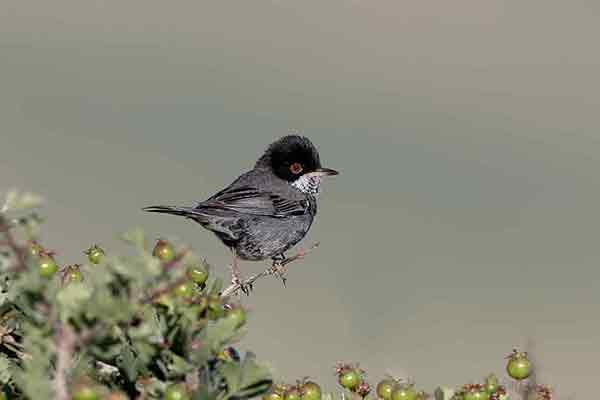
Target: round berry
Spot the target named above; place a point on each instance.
(164, 251)
(84, 392)
(491, 383)
(35, 249)
(476, 395)
(311, 391)
(95, 254)
(214, 308)
(422, 395)
(518, 366)
(272, 396)
(349, 379)
(198, 275)
(72, 274)
(184, 290)
(384, 389)
(177, 392)
(292, 393)
(404, 392)
(237, 315)
(47, 267)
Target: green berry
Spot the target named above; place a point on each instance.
(164, 251)
(238, 315)
(84, 392)
(47, 267)
(95, 255)
(184, 290)
(177, 392)
(349, 379)
(214, 308)
(311, 391)
(198, 275)
(404, 392)
(518, 366)
(491, 383)
(72, 274)
(272, 396)
(477, 395)
(292, 393)
(384, 389)
(35, 249)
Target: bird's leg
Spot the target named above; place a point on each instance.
(235, 269)
(236, 276)
(278, 268)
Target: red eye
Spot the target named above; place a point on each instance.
(296, 168)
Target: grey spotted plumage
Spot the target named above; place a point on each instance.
(267, 210)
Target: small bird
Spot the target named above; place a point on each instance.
(267, 210)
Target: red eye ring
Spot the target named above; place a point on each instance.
(296, 168)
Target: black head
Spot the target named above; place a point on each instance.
(291, 157)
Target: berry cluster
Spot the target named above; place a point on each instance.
(149, 326)
(302, 390)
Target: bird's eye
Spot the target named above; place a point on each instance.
(296, 168)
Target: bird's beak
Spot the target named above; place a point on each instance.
(323, 172)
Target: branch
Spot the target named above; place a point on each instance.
(276, 269)
(65, 344)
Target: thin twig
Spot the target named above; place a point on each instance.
(278, 268)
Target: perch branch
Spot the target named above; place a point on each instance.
(276, 269)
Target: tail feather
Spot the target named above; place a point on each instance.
(182, 211)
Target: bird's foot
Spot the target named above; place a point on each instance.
(236, 279)
(279, 269)
(280, 262)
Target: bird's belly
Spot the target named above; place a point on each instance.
(265, 237)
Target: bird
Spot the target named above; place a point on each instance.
(267, 210)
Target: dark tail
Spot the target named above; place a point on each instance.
(183, 211)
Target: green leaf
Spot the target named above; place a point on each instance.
(246, 380)
(72, 298)
(216, 287)
(443, 393)
(128, 363)
(17, 201)
(232, 372)
(220, 333)
(5, 369)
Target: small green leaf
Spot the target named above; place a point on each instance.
(72, 298)
(17, 201)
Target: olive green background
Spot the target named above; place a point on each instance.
(464, 222)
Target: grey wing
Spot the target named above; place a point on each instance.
(251, 201)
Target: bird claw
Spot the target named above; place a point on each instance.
(278, 269)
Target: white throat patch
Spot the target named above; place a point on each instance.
(308, 184)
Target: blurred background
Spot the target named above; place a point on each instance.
(464, 222)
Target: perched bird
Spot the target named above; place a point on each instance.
(267, 210)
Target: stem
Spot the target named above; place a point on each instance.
(65, 344)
